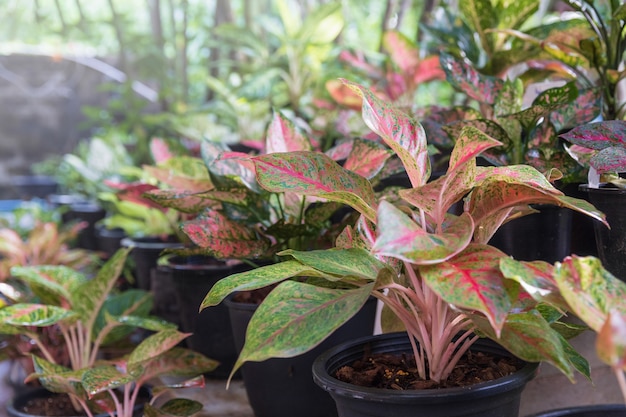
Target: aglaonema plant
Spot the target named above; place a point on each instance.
(597, 298)
(91, 314)
(433, 270)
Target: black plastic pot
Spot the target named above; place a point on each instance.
(542, 236)
(145, 254)
(610, 242)
(603, 410)
(109, 240)
(89, 212)
(284, 387)
(498, 398)
(34, 186)
(192, 278)
(15, 407)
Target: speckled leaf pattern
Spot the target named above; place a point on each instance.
(102, 378)
(51, 283)
(367, 158)
(182, 201)
(282, 136)
(37, 315)
(516, 174)
(315, 174)
(590, 290)
(89, 298)
(609, 160)
(401, 133)
(611, 342)
(295, 317)
(156, 344)
(488, 127)
(480, 16)
(182, 172)
(56, 378)
(258, 278)
(584, 109)
(224, 238)
(529, 336)
(545, 103)
(340, 262)
(472, 280)
(179, 407)
(536, 279)
(598, 135)
(402, 238)
(237, 167)
(514, 13)
(175, 362)
(465, 78)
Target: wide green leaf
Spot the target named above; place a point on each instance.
(357, 263)
(176, 362)
(536, 278)
(258, 278)
(103, 378)
(178, 407)
(155, 345)
(295, 317)
(56, 378)
(53, 284)
(402, 238)
(130, 303)
(315, 174)
(480, 16)
(37, 315)
(400, 132)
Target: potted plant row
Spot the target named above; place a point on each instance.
(439, 280)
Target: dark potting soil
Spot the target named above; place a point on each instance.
(397, 372)
(59, 405)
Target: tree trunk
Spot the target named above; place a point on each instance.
(119, 34)
(389, 8)
(156, 25)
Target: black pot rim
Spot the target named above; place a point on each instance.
(322, 375)
(576, 410)
(602, 189)
(149, 243)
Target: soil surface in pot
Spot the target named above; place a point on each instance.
(58, 405)
(253, 297)
(398, 372)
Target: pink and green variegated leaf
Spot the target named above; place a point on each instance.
(182, 172)
(611, 159)
(487, 127)
(351, 238)
(156, 344)
(357, 263)
(224, 238)
(584, 109)
(159, 150)
(53, 284)
(428, 69)
(295, 317)
(590, 290)
(470, 143)
(103, 378)
(464, 77)
(283, 136)
(611, 341)
(195, 382)
(545, 103)
(490, 224)
(367, 158)
(315, 174)
(88, 299)
(521, 174)
(600, 135)
(530, 337)
(176, 362)
(259, 278)
(36, 315)
(56, 378)
(472, 281)
(402, 238)
(237, 167)
(179, 407)
(183, 201)
(536, 278)
(401, 133)
(402, 51)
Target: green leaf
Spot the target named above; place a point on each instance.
(400, 132)
(176, 362)
(465, 78)
(295, 317)
(536, 279)
(545, 103)
(258, 278)
(131, 302)
(402, 238)
(179, 407)
(315, 174)
(37, 315)
(53, 284)
(480, 16)
(155, 345)
(103, 378)
(56, 378)
(356, 263)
